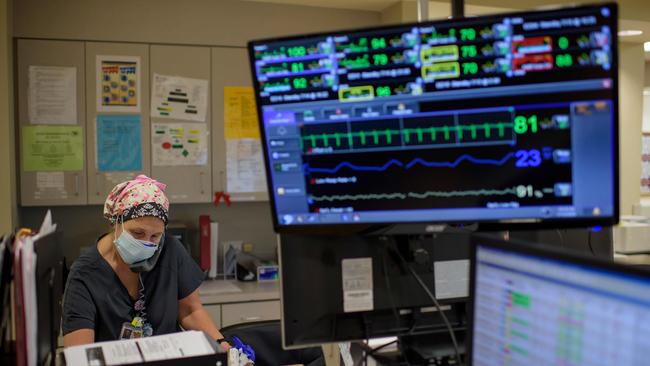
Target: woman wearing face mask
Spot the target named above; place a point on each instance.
(134, 282)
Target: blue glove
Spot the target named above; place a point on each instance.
(244, 348)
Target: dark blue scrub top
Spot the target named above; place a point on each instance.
(95, 298)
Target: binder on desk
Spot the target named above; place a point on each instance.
(38, 290)
(6, 267)
(183, 348)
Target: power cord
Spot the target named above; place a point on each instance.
(591, 248)
(435, 302)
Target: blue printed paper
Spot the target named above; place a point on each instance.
(119, 146)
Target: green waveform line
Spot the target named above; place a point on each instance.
(424, 195)
(419, 133)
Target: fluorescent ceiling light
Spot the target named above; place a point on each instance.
(630, 32)
(646, 46)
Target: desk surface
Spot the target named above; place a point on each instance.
(226, 291)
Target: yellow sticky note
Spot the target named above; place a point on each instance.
(240, 113)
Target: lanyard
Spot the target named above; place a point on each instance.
(139, 326)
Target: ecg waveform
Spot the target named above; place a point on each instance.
(412, 163)
(423, 195)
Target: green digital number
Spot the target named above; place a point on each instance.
(523, 124)
(565, 60)
(378, 43)
(297, 67)
(467, 34)
(563, 42)
(297, 51)
(470, 68)
(468, 51)
(300, 83)
(380, 59)
(383, 91)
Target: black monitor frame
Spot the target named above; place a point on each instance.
(540, 250)
(311, 274)
(420, 227)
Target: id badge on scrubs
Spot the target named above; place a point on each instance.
(129, 331)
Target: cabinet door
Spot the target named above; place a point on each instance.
(230, 67)
(248, 312)
(215, 313)
(188, 176)
(59, 183)
(114, 163)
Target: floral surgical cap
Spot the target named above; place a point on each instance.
(139, 197)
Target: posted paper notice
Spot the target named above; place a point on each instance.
(177, 144)
(52, 95)
(245, 166)
(179, 98)
(52, 148)
(240, 113)
(357, 284)
(119, 144)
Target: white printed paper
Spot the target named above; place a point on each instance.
(245, 166)
(183, 344)
(163, 347)
(179, 144)
(50, 185)
(177, 98)
(451, 278)
(50, 180)
(357, 284)
(52, 95)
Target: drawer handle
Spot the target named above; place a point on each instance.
(250, 318)
(76, 184)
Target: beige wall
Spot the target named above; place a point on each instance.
(201, 22)
(647, 74)
(401, 12)
(631, 70)
(7, 156)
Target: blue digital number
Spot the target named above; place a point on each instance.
(528, 158)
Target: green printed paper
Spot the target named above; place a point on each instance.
(52, 148)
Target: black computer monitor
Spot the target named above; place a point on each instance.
(327, 297)
(507, 119)
(537, 306)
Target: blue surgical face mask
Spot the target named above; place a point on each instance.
(133, 250)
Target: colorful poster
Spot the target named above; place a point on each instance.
(240, 113)
(177, 98)
(118, 83)
(245, 166)
(52, 95)
(178, 144)
(119, 144)
(52, 148)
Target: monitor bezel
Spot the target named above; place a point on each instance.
(538, 250)
(418, 227)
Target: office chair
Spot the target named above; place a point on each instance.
(266, 339)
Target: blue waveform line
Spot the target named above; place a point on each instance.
(416, 161)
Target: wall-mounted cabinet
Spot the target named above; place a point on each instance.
(107, 164)
(117, 131)
(52, 122)
(188, 181)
